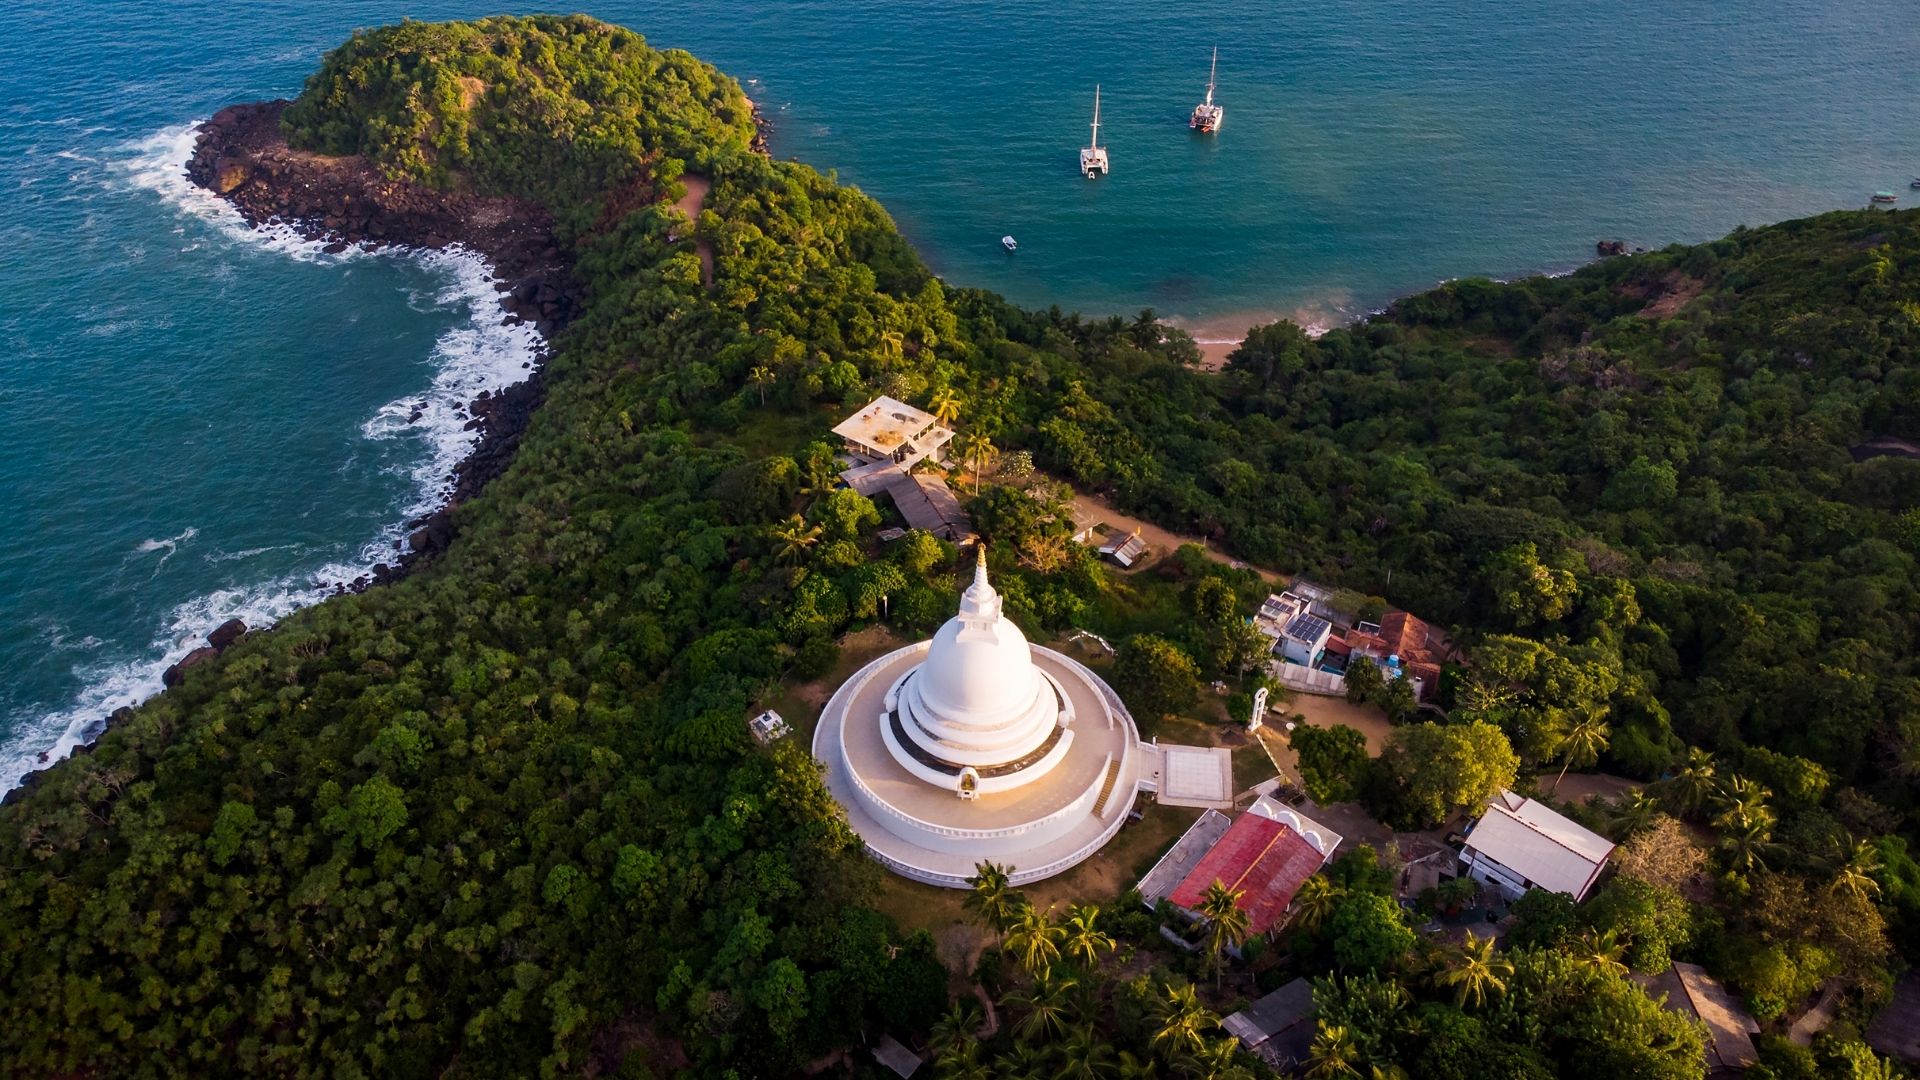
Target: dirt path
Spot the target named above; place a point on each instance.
(690, 204)
(1092, 509)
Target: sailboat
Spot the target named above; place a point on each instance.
(1207, 116)
(1093, 159)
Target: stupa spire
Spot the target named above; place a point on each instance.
(980, 603)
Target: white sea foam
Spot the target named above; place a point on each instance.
(480, 354)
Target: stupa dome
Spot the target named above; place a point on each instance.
(977, 713)
(979, 669)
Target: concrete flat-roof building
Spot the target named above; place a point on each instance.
(1521, 844)
(888, 429)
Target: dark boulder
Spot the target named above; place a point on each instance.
(1609, 248)
(173, 675)
(226, 634)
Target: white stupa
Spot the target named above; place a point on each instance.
(978, 745)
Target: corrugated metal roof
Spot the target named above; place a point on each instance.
(1541, 846)
(1265, 860)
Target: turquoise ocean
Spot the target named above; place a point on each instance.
(199, 422)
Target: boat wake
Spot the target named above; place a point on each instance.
(478, 354)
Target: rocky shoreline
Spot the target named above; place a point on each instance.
(241, 155)
(344, 202)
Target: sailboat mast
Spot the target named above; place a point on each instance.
(1096, 116)
(1211, 72)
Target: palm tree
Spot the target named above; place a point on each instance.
(1694, 783)
(956, 1026)
(1129, 1067)
(1581, 745)
(993, 898)
(1227, 924)
(1743, 838)
(1034, 941)
(761, 377)
(962, 1062)
(1334, 1054)
(1023, 1061)
(945, 406)
(1635, 811)
(794, 538)
(1183, 1020)
(1740, 797)
(976, 449)
(1856, 874)
(1046, 1007)
(1602, 951)
(892, 344)
(1085, 940)
(1085, 1056)
(1476, 972)
(1314, 902)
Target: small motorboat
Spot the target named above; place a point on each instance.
(1916, 183)
(1010, 243)
(1885, 198)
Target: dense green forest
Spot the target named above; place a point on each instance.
(502, 818)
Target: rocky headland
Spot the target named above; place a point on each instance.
(343, 202)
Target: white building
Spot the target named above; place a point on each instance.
(1299, 636)
(980, 746)
(767, 727)
(891, 430)
(1521, 844)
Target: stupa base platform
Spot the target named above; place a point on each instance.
(933, 835)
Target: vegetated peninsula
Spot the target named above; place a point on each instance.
(501, 815)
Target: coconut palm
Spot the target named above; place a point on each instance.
(1085, 1056)
(1693, 783)
(1744, 839)
(1581, 745)
(1740, 797)
(794, 538)
(1855, 876)
(993, 899)
(962, 1062)
(1046, 1006)
(1314, 902)
(1636, 810)
(1022, 1061)
(761, 377)
(1601, 951)
(945, 406)
(958, 1025)
(1034, 940)
(1476, 972)
(1128, 1067)
(1085, 940)
(1183, 1022)
(1227, 924)
(1334, 1055)
(976, 450)
(892, 344)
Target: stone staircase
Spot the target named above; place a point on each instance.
(1106, 788)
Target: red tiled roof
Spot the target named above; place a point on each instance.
(1405, 634)
(1261, 857)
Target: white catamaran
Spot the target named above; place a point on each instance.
(1207, 116)
(1093, 159)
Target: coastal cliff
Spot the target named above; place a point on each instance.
(242, 155)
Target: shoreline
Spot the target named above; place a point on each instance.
(503, 256)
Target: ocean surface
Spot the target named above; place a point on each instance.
(200, 422)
